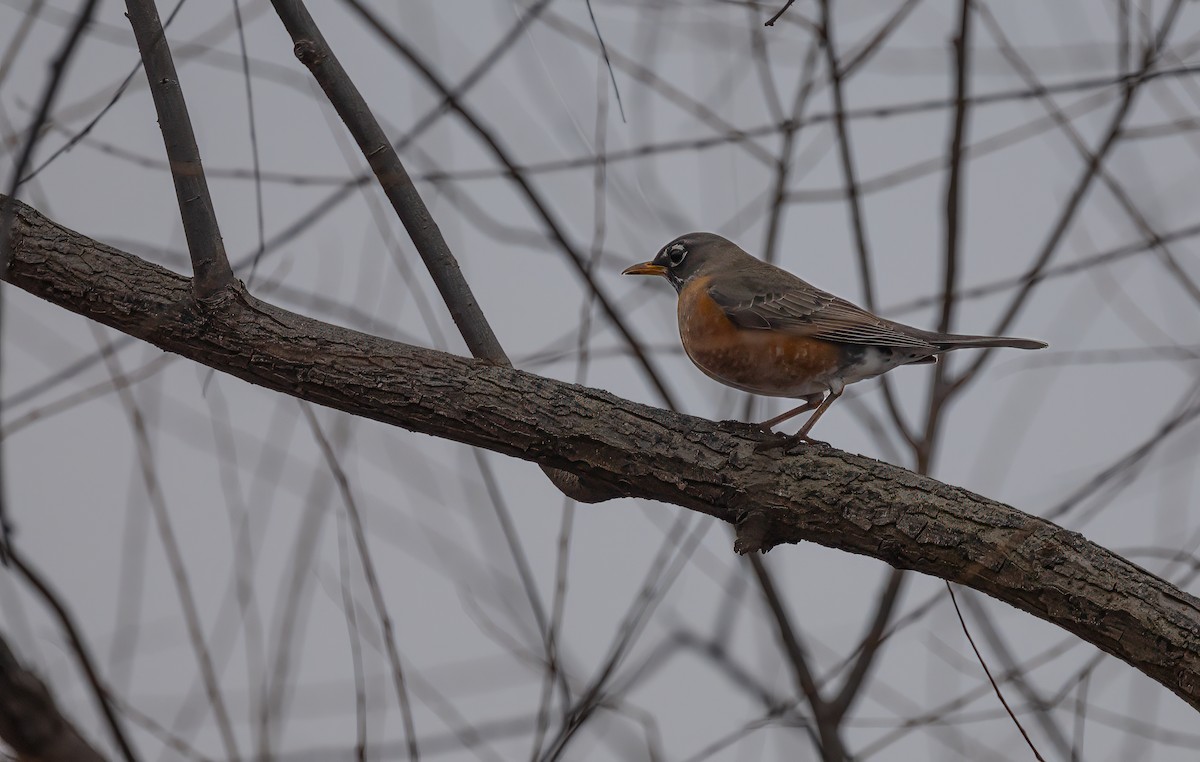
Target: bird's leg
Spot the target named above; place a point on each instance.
(814, 401)
(811, 402)
(835, 391)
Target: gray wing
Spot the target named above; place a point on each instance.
(791, 305)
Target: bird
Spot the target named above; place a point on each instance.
(756, 327)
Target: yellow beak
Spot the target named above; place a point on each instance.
(645, 268)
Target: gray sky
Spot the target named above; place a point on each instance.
(1032, 430)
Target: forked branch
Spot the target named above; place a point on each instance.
(822, 495)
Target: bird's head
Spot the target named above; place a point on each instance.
(689, 256)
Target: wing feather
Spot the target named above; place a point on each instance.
(789, 304)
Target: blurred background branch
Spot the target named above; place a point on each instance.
(979, 164)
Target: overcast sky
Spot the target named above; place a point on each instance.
(247, 490)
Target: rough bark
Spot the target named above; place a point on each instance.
(819, 494)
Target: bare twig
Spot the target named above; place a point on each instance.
(539, 205)
(828, 727)
(1042, 709)
(1033, 275)
(80, 650)
(850, 178)
(1080, 264)
(368, 567)
(954, 176)
(871, 643)
(58, 70)
(1179, 275)
(607, 62)
(210, 264)
(661, 85)
(256, 168)
(771, 21)
(846, 155)
(148, 469)
(991, 679)
(315, 53)
(956, 169)
(674, 551)
(30, 721)
(349, 610)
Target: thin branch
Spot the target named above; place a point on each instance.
(1081, 264)
(954, 176)
(1131, 209)
(955, 189)
(875, 42)
(661, 85)
(209, 261)
(368, 567)
(79, 135)
(30, 721)
(872, 642)
(607, 62)
(58, 70)
(539, 205)
(80, 650)
(771, 21)
(1042, 709)
(238, 512)
(148, 469)
(850, 178)
(991, 679)
(1117, 473)
(828, 726)
(314, 52)
(256, 168)
(1066, 217)
(349, 610)
(846, 154)
(676, 548)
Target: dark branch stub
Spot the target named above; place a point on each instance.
(308, 53)
(753, 534)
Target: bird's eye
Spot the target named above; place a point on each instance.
(676, 253)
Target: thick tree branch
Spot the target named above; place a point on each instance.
(823, 495)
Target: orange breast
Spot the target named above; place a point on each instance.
(754, 360)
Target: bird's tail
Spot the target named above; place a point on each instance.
(959, 341)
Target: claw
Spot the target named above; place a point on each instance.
(789, 443)
(799, 442)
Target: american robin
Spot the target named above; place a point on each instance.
(758, 328)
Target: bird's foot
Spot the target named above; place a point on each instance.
(775, 439)
(790, 444)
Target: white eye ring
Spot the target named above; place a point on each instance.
(676, 253)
